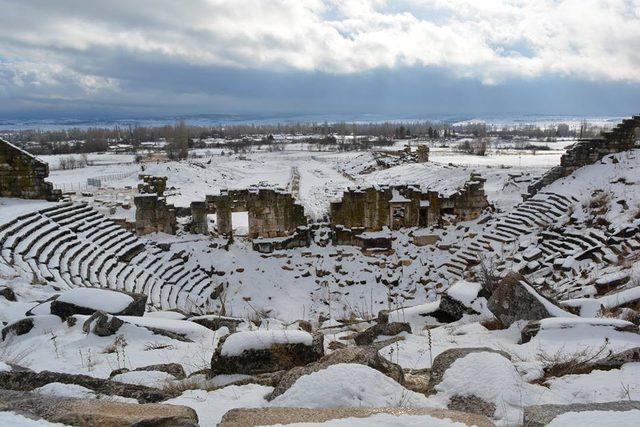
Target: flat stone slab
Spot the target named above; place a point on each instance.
(541, 415)
(270, 416)
(81, 412)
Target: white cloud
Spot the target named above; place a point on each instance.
(489, 40)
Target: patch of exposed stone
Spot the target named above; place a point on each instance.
(270, 416)
(383, 327)
(174, 369)
(154, 215)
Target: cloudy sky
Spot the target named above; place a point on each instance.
(389, 57)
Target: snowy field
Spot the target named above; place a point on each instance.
(320, 177)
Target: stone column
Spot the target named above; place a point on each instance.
(223, 212)
(199, 223)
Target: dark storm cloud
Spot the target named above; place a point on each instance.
(395, 58)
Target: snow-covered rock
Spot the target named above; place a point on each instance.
(345, 385)
(261, 351)
(155, 379)
(444, 360)
(490, 380)
(34, 325)
(89, 300)
(369, 355)
(532, 328)
(65, 390)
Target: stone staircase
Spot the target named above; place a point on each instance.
(528, 217)
(71, 245)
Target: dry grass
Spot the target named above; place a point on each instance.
(561, 363)
(154, 345)
(14, 355)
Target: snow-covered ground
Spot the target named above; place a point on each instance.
(321, 179)
(338, 290)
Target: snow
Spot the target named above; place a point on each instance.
(11, 208)
(42, 325)
(191, 330)
(4, 367)
(384, 420)
(347, 385)
(236, 343)
(341, 282)
(97, 299)
(612, 277)
(494, 379)
(590, 307)
(597, 419)
(417, 316)
(156, 379)
(599, 386)
(562, 323)
(398, 198)
(212, 405)
(14, 419)
(166, 315)
(464, 292)
(65, 390)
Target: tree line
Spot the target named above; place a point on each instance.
(181, 136)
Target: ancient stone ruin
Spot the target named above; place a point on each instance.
(588, 151)
(271, 212)
(23, 175)
(395, 207)
(152, 184)
(422, 154)
(153, 214)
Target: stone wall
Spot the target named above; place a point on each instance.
(271, 212)
(623, 137)
(23, 175)
(373, 208)
(153, 214)
(152, 184)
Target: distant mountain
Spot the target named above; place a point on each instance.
(221, 119)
